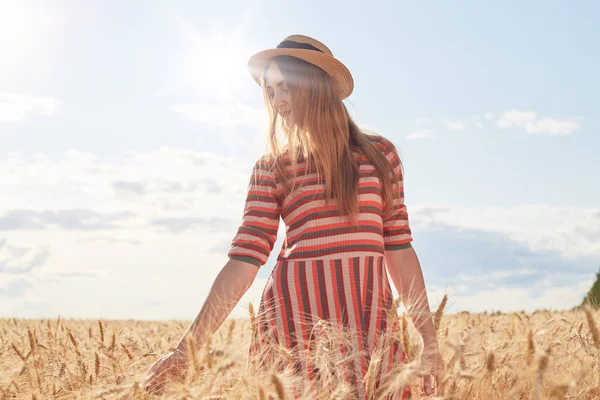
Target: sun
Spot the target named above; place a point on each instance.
(214, 63)
(23, 32)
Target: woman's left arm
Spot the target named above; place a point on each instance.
(405, 270)
(406, 273)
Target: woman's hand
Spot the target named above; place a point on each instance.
(170, 367)
(228, 288)
(433, 369)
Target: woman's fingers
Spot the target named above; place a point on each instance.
(427, 385)
(439, 378)
(155, 380)
(166, 368)
(432, 385)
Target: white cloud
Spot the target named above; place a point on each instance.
(552, 126)
(224, 115)
(470, 293)
(516, 118)
(173, 180)
(477, 121)
(179, 211)
(454, 125)
(515, 299)
(90, 279)
(527, 121)
(103, 267)
(571, 231)
(531, 123)
(17, 107)
(531, 253)
(422, 134)
(20, 260)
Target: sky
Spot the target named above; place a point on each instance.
(128, 131)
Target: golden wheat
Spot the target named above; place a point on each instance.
(544, 355)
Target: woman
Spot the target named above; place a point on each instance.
(340, 193)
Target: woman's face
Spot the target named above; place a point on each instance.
(278, 92)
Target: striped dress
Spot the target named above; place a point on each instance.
(327, 310)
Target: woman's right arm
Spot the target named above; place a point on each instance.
(230, 285)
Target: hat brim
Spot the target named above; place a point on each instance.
(336, 69)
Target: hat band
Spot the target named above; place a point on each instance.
(290, 44)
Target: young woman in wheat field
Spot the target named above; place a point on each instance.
(340, 194)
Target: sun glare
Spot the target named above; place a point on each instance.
(214, 63)
(23, 30)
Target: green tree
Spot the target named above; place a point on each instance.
(593, 296)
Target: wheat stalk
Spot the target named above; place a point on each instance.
(127, 352)
(593, 327)
(97, 365)
(33, 352)
(253, 323)
(489, 364)
(113, 342)
(405, 340)
(230, 332)
(530, 347)
(279, 388)
(101, 328)
(16, 349)
(439, 312)
(74, 342)
(372, 371)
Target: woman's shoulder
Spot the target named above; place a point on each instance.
(264, 163)
(284, 158)
(384, 144)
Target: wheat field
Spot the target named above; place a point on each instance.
(540, 355)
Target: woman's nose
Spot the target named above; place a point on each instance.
(279, 101)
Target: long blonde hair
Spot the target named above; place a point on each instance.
(323, 133)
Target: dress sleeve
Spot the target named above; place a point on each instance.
(257, 232)
(396, 228)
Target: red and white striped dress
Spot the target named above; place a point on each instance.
(328, 274)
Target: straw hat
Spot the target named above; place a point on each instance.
(310, 50)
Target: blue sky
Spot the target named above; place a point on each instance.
(127, 131)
